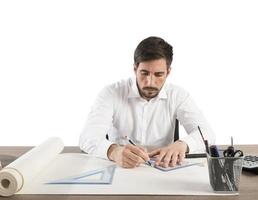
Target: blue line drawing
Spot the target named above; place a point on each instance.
(165, 169)
(106, 177)
(176, 167)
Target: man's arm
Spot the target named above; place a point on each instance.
(93, 137)
(190, 117)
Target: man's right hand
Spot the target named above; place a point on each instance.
(128, 156)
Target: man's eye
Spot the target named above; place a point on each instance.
(159, 74)
(144, 73)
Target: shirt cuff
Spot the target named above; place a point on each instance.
(194, 142)
(103, 149)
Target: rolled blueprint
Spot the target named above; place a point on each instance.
(14, 176)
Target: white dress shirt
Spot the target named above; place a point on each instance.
(120, 111)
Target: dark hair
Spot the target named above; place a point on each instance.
(153, 48)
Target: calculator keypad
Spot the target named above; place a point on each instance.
(250, 162)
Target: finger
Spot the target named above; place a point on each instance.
(167, 158)
(127, 153)
(154, 152)
(181, 158)
(142, 148)
(174, 159)
(160, 157)
(161, 163)
(139, 152)
(137, 159)
(129, 163)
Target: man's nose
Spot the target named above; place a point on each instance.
(150, 80)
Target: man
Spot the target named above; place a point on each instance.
(144, 110)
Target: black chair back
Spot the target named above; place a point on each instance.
(176, 133)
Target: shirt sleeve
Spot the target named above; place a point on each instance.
(93, 137)
(190, 116)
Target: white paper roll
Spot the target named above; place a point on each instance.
(14, 176)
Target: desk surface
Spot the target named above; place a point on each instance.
(248, 185)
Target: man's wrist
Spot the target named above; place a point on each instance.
(110, 152)
(187, 147)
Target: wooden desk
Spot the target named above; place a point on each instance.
(248, 185)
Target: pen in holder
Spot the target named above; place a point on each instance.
(224, 173)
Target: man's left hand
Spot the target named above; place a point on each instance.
(170, 155)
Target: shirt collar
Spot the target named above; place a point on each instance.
(133, 89)
(134, 92)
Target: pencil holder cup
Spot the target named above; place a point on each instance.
(225, 173)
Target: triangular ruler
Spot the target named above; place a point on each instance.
(106, 177)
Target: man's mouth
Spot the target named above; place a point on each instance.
(150, 89)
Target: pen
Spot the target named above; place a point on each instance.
(204, 141)
(131, 142)
(214, 152)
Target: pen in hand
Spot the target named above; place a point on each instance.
(131, 142)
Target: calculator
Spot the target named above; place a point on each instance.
(250, 163)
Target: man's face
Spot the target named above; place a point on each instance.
(150, 77)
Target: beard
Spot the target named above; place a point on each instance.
(149, 92)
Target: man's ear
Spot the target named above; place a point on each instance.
(135, 68)
(168, 71)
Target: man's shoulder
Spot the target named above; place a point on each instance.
(174, 90)
(170, 87)
(119, 88)
(120, 85)
(123, 83)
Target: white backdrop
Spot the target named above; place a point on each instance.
(55, 56)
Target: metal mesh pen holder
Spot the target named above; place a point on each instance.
(224, 173)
